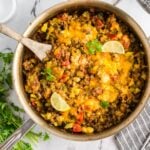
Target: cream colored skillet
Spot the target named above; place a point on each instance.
(18, 80)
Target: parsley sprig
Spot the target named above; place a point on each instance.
(94, 46)
(9, 121)
(48, 74)
(5, 72)
(104, 104)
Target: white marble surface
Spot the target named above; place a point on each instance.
(23, 16)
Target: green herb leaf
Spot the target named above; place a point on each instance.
(7, 57)
(48, 74)
(9, 121)
(5, 72)
(9, 79)
(16, 108)
(46, 137)
(104, 104)
(33, 136)
(94, 46)
(91, 50)
(22, 145)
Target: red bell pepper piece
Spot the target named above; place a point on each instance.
(77, 128)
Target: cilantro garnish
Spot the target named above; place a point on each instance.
(94, 46)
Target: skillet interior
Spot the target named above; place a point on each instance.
(17, 67)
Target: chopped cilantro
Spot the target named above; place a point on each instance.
(94, 46)
(22, 145)
(48, 74)
(46, 137)
(104, 104)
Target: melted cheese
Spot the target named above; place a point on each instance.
(119, 68)
(77, 32)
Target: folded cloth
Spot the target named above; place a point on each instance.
(137, 135)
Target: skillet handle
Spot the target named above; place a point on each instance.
(17, 135)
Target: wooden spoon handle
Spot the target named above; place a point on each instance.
(9, 32)
(39, 49)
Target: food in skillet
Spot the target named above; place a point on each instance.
(93, 77)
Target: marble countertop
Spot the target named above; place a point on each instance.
(26, 11)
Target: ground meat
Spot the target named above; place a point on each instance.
(101, 88)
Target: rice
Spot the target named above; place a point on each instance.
(102, 89)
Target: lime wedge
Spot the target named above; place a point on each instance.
(113, 47)
(59, 103)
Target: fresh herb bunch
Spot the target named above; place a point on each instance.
(22, 145)
(33, 137)
(9, 121)
(5, 73)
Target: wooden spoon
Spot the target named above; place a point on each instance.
(39, 49)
